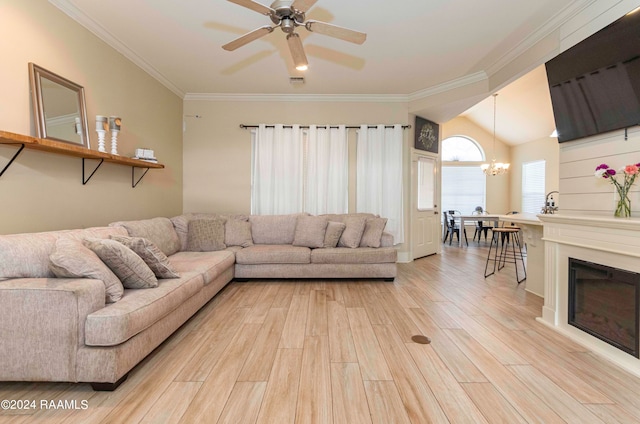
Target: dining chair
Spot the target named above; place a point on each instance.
(454, 227)
(481, 226)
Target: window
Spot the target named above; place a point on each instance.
(533, 181)
(463, 184)
(463, 188)
(461, 149)
(426, 192)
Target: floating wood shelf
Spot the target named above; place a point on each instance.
(68, 149)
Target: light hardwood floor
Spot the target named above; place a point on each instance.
(341, 352)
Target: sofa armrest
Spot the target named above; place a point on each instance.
(386, 240)
(42, 324)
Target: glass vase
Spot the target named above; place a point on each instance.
(623, 206)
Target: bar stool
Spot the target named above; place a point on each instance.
(501, 255)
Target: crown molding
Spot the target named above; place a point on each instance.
(448, 86)
(99, 31)
(336, 98)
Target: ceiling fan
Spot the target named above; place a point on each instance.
(289, 14)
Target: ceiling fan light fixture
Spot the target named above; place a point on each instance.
(297, 52)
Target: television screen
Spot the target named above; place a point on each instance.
(595, 85)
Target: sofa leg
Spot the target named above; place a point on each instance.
(108, 387)
(389, 280)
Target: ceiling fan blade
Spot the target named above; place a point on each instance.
(250, 4)
(247, 38)
(336, 31)
(303, 5)
(297, 51)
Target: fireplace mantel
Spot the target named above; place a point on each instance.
(614, 242)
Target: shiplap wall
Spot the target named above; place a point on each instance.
(581, 193)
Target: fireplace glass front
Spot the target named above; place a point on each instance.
(603, 301)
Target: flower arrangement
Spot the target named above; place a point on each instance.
(630, 172)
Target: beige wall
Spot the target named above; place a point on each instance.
(546, 149)
(43, 191)
(217, 153)
(498, 187)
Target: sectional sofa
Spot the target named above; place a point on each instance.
(87, 305)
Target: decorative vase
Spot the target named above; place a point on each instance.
(623, 206)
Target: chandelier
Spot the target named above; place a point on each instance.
(494, 168)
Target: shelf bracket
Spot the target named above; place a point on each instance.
(12, 159)
(135, 182)
(86, 180)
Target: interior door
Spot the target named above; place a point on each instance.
(425, 218)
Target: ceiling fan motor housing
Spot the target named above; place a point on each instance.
(285, 15)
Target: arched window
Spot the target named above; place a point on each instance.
(461, 149)
(463, 182)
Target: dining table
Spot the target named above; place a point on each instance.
(477, 217)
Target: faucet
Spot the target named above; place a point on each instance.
(549, 204)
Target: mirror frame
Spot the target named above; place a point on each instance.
(36, 74)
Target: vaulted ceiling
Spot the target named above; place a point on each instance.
(411, 46)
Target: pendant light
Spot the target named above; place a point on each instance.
(494, 168)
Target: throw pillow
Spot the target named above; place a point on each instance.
(205, 235)
(124, 263)
(373, 232)
(238, 233)
(310, 231)
(71, 259)
(333, 233)
(353, 231)
(150, 254)
(159, 230)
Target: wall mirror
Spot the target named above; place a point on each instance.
(59, 107)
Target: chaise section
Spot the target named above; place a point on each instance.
(139, 309)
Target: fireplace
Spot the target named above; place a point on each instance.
(603, 301)
(610, 242)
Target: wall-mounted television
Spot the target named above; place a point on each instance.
(595, 85)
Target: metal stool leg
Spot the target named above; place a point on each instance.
(494, 237)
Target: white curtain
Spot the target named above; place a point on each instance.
(327, 174)
(277, 174)
(379, 176)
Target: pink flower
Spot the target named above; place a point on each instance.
(631, 169)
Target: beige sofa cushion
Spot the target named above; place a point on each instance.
(310, 231)
(124, 263)
(72, 259)
(273, 229)
(333, 233)
(181, 223)
(210, 264)
(237, 232)
(273, 254)
(373, 229)
(159, 230)
(206, 235)
(27, 255)
(138, 310)
(361, 255)
(150, 254)
(352, 234)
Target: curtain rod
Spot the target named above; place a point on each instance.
(245, 126)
